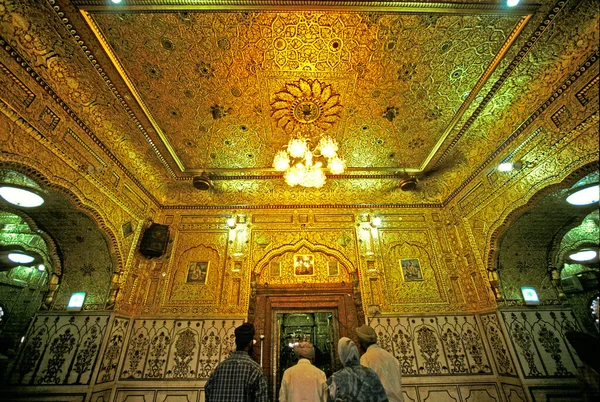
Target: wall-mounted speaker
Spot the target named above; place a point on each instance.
(155, 240)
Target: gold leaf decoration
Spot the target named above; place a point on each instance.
(306, 102)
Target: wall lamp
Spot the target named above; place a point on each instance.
(232, 222)
(584, 195)
(20, 196)
(376, 222)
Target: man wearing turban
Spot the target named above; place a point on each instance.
(354, 383)
(238, 378)
(303, 382)
(383, 363)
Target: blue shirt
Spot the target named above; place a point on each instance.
(237, 379)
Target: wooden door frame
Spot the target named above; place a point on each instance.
(272, 299)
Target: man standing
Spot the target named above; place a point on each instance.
(238, 378)
(381, 362)
(303, 382)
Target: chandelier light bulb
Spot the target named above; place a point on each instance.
(328, 147)
(297, 147)
(282, 161)
(336, 165)
(302, 163)
(293, 176)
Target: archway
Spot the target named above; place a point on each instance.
(302, 278)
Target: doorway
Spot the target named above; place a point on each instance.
(270, 306)
(295, 327)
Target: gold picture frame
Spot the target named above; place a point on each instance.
(304, 265)
(410, 268)
(197, 272)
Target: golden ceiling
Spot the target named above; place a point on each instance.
(433, 90)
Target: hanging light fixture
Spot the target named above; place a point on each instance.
(302, 162)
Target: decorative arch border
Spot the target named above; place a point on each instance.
(262, 263)
(40, 175)
(501, 225)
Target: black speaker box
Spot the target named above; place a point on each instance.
(154, 241)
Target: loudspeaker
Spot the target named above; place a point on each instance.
(154, 241)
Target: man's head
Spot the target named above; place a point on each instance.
(366, 335)
(244, 335)
(305, 350)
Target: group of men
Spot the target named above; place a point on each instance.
(376, 377)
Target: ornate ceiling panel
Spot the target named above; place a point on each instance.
(225, 88)
(433, 90)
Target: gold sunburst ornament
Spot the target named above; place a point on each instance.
(306, 102)
(306, 108)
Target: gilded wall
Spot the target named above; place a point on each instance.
(42, 138)
(408, 264)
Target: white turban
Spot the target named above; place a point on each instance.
(348, 351)
(305, 350)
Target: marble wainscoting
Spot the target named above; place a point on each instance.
(509, 355)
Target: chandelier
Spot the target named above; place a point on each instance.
(302, 161)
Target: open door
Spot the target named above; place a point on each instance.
(320, 315)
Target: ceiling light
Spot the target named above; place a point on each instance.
(512, 3)
(20, 197)
(583, 255)
(509, 166)
(585, 196)
(302, 162)
(41, 267)
(116, 1)
(20, 258)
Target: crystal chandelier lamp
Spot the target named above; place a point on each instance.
(303, 163)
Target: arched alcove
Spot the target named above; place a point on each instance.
(531, 245)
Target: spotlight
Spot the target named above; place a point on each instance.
(583, 255)
(512, 3)
(20, 197)
(585, 196)
(20, 258)
(509, 166)
(376, 222)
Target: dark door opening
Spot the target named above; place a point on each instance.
(292, 328)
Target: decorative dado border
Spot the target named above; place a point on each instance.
(298, 206)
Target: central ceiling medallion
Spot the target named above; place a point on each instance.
(306, 102)
(305, 109)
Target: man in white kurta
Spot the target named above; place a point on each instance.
(382, 362)
(303, 382)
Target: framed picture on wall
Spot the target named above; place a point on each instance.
(304, 265)
(411, 269)
(197, 272)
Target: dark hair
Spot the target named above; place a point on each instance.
(244, 334)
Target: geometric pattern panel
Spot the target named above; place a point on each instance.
(497, 341)
(114, 346)
(177, 349)
(434, 345)
(538, 338)
(60, 349)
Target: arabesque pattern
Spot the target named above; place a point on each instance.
(177, 349)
